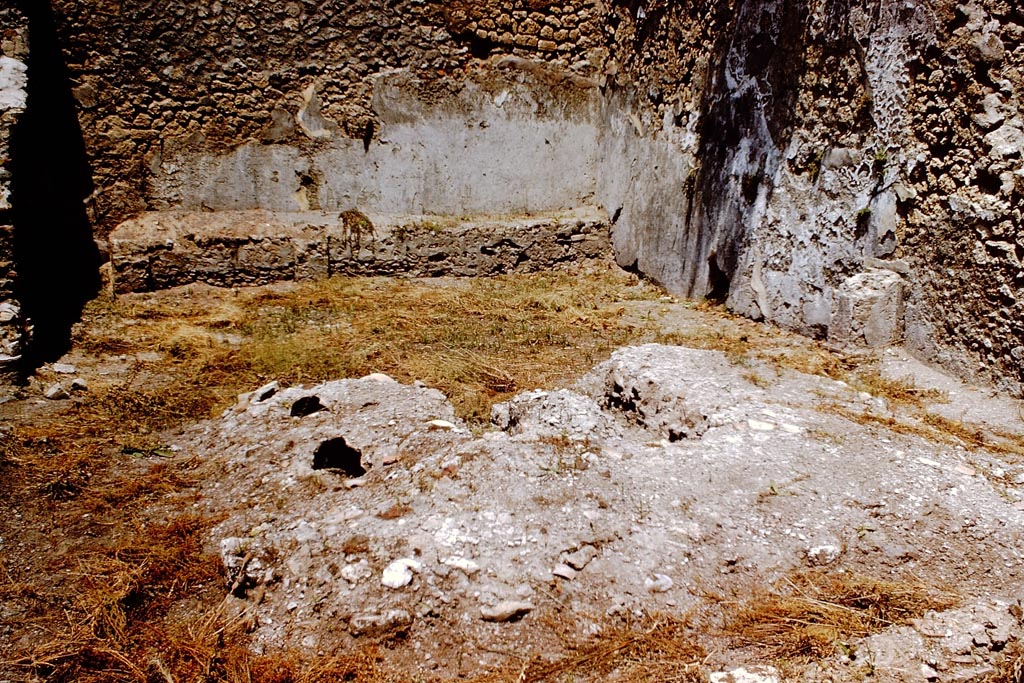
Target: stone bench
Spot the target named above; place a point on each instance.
(165, 249)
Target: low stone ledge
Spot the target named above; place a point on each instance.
(165, 249)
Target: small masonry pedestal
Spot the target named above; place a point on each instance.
(231, 248)
(869, 309)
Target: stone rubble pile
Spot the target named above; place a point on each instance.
(665, 471)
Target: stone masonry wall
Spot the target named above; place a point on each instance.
(165, 249)
(156, 77)
(962, 200)
(772, 154)
(838, 138)
(13, 78)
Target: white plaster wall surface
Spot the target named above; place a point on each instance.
(488, 150)
(643, 185)
(815, 231)
(13, 96)
(13, 79)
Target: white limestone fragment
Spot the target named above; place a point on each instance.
(465, 565)
(761, 674)
(823, 554)
(357, 571)
(505, 611)
(399, 573)
(659, 583)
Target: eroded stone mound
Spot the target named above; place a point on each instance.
(382, 513)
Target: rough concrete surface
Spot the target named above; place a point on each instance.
(665, 475)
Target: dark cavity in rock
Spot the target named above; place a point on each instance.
(307, 405)
(336, 454)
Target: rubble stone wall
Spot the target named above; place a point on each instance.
(833, 139)
(961, 204)
(166, 249)
(157, 78)
(13, 79)
(767, 153)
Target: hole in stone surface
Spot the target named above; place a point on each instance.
(307, 405)
(718, 282)
(751, 187)
(368, 135)
(863, 223)
(959, 20)
(480, 48)
(336, 454)
(988, 182)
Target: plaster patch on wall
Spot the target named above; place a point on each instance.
(13, 81)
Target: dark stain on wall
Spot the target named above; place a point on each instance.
(748, 116)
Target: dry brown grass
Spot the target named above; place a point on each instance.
(809, 614)
(114, 625)
(736, 346)
(11, 451)
(933, 427)
(657, 649)
(742, 340)
(813, 360)
(1009, 665)
(102, 458)
(898, 391)
(662, 649)
(479, 341)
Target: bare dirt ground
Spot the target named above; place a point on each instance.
(496, 493)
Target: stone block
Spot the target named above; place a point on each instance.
(311, 258)
(131, 273)
(869, 309)
(987, 48)
(266, 259)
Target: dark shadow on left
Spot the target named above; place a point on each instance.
(57, 259)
